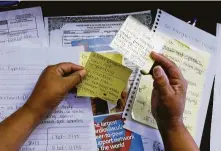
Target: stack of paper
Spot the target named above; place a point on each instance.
(72, 123)
(115, 51)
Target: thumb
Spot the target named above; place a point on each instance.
(161, 81)
(75, 78)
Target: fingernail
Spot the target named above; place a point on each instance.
(152, 53)
(83, 73)
(157, 71)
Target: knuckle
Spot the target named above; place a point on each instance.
(184, 83)
(49, 67)
(174, 64)
(77, 77)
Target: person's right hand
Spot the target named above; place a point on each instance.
(169, 93)
(54, 84)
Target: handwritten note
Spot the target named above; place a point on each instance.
(113, 56)
(106, 79)
(193, 64)
(141, 110)
(68, 127)
(135, 42)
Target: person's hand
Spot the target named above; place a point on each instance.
(169, 93)
(54, 84)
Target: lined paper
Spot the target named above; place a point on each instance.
(69, 127)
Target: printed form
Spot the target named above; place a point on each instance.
(62, 30)
(70, 126)
(23, 27)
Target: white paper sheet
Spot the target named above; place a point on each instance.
(62, 30)
(216, 123)
(22, 27)
(135, 42)
(151, 145)
(70, 126)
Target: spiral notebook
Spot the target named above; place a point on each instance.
(195, 52)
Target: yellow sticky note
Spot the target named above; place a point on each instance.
(105, 78)
(141, 110)
(193, 64)
(113, 56)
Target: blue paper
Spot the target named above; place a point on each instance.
(112, 136)
(96, 44)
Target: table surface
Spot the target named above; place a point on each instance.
(207, 14)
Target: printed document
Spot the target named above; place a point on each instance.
(62, 30)
(22, 27)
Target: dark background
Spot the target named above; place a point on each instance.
(207, 14)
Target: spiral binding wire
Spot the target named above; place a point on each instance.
(157, 20)
(127, 111)
(129, 105)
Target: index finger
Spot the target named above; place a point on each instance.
(170, 67)
(67, 67)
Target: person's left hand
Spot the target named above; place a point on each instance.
(54, 84)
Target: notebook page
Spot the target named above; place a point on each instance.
(141, 110)
(166, 24)
(193, 64)
(67, 128)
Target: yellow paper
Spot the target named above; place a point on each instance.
(105, 78)
(113, 56)
(193, 64)
(141, 110)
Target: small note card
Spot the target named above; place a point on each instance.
(135, 42)
(105, 78)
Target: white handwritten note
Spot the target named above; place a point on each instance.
(69, 127)
(134, 41)
(141, 110)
